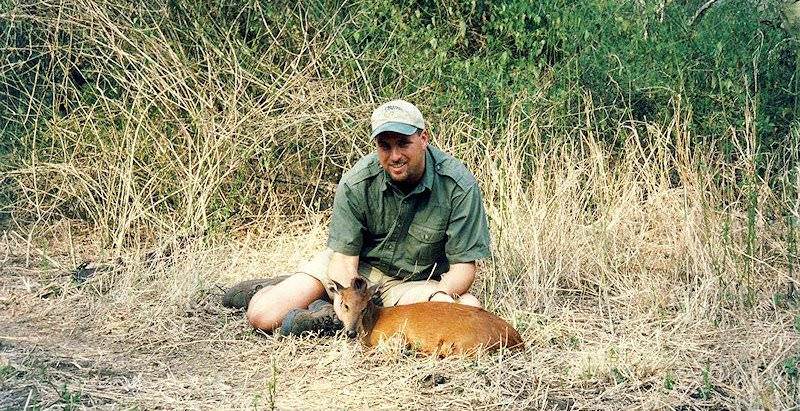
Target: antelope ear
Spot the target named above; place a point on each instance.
(335, 288)
(359, 284)
(373, 289)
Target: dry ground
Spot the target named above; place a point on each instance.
(150, 334)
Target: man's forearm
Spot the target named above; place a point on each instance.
(343, 268)
(458, 280)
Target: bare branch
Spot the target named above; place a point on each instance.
(701, 11)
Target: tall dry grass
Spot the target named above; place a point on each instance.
(229, 160)
(169, 140)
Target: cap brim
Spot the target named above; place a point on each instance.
(402, 128)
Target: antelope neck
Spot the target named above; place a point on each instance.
(369, 317)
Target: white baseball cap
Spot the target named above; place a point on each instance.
(399, 116)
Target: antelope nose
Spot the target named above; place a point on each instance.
(351, 334)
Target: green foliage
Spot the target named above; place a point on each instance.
(619, 376)
(669, 382)
(792, 373)
(272, 386)
(70, 400)
(482, 56)
(635, 58)
(7, 372)
(640, 57)
(790, 368)
(707, 389)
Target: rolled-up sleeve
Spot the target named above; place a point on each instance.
(346, 234)
(468, 229)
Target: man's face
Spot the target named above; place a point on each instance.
(402, 156)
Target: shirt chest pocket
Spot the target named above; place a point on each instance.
(425, 244)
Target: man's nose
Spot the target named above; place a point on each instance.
(395, 154)
(351, 334)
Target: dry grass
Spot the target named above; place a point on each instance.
(646, 274)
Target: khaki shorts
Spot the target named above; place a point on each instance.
(391, 289)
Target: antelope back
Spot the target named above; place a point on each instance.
(444, 328)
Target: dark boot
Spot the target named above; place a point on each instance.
(319, 318)
(240, 294)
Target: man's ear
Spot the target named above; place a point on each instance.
(425, 136)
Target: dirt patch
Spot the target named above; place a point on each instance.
(43, 370)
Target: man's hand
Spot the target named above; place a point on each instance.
(343, 268)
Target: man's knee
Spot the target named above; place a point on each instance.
(262, 321)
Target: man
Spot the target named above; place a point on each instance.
(408, 217)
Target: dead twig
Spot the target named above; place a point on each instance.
(701, 11)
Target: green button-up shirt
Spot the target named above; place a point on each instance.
(416, 235)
